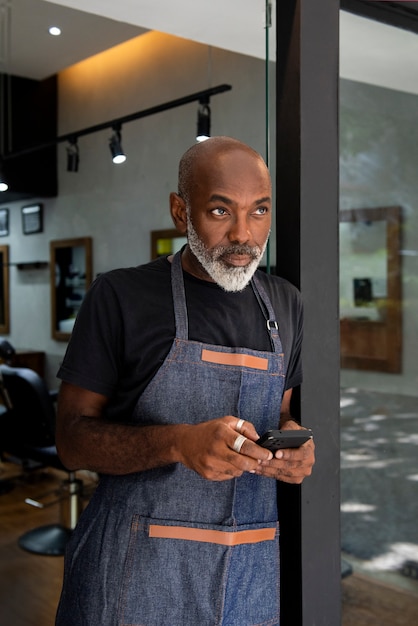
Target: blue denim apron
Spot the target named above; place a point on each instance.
(166, 547)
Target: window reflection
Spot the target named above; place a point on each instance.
(379, 404)
(370, 289)
(71, 275)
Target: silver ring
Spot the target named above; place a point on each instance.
(238, 443)
(239, 425)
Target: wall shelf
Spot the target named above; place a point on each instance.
(31, 265)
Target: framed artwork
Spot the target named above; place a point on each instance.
(166, 241)
(32, 219)
(4, 222)
(71, 273)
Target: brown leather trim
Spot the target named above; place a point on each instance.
(242, 360)
(212, 536)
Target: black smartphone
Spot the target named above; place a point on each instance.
(276, 439)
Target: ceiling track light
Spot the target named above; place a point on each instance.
(203, 120)
(73, 156)
(115, 145)
(115, 141)
(3, 184)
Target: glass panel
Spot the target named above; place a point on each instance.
(379, 377)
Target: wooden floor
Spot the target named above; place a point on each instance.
(367, 603)
(30, 584)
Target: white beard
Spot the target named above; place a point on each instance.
(228, 277)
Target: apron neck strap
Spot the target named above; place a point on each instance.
(268, 312)
(179, 298)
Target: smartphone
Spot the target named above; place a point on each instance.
(276, 439)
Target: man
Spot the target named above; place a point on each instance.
(174, 370)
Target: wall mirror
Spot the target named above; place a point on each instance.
(370, 289)
(71, 275)
(4, 291)
(167, 241)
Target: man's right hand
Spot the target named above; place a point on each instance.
(208, 448)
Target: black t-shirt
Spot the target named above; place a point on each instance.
(125, 329)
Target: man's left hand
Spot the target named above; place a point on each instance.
(290, 465)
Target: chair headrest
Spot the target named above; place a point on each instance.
(6, 350)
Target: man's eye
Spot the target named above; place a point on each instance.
(261, 210)
(219, 211)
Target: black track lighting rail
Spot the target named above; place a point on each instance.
(119, 121)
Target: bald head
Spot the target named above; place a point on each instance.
(206, 155)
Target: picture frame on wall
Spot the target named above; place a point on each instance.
(32, 219)
(4, 222)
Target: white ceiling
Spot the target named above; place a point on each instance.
(236, 25)
(34, 53)
(370, 51)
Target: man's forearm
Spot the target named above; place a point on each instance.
(93, 444)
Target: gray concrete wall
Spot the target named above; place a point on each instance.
(118, 206)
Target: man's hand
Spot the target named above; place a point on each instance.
(290, 465)
(208, 448)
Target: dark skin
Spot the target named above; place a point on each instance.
(230, 202)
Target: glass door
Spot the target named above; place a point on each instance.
(379, 302)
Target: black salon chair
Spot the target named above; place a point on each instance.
(27, 436)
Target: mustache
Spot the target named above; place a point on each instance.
(237, 249)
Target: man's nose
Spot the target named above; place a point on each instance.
(239, 231)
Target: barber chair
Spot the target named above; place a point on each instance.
(27, 436)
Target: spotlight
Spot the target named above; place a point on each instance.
(115, 145)
(54, 30)
(3, 184)
(203, 120)
(73, 157)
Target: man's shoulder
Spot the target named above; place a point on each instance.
(126, 288)
(147, 272)
(278, 285)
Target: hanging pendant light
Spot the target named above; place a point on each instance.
(3, 183)
(203, 120)
(115, 145)
(73, 156)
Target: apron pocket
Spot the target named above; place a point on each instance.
(175, 574)
(252, 595)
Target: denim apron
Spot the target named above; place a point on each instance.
(166, 547)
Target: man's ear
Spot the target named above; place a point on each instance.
(178, 212)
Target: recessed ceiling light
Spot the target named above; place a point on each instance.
(54, 30)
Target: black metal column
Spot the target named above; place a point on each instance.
(307, 254)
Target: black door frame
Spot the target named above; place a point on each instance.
(307, 183)
(307, 254)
